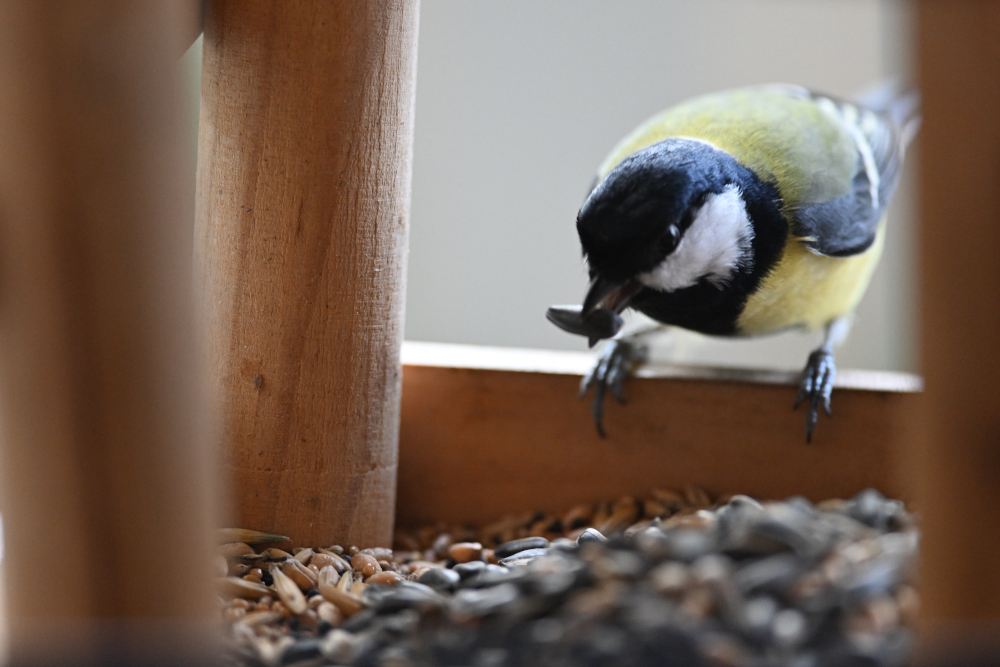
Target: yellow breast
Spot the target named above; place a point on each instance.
(809, 290)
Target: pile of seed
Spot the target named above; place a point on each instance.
(670, 580)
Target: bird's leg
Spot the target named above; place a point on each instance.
(612, 365)
(819, 374)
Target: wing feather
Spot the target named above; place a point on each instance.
(847, 225)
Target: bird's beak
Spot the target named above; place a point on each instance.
(598, 318)
(609, 295)
(600, 325)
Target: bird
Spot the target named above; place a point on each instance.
(745, 212)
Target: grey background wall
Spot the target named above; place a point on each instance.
(519, 100)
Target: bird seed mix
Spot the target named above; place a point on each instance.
(672, 579)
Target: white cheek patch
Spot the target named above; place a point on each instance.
(714, 247)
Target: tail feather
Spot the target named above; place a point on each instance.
(900, 105)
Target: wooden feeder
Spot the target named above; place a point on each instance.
(299, 251)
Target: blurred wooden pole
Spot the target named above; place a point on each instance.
(959, 464)
(304, 188)
(104, 476)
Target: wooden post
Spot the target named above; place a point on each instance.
(104, 480)
(959, 462)
(304, 187)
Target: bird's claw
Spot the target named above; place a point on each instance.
(817, 387)
(608, 373)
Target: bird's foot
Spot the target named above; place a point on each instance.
(608, 373)
(816, 386)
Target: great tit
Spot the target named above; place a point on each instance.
(740, 213)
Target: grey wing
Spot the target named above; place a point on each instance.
(847, 225)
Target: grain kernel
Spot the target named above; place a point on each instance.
(233, 614)
(385, 577)
(288, 591)
(234, 550)
(327, 611)
(303, 577)
(347, 603)
(463, 552)
(236, 587)
(365, 564)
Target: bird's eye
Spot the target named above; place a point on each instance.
(668, 242)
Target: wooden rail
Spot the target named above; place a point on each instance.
(487, 431)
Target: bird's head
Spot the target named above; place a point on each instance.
(666, 218)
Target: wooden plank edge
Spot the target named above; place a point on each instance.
(564, 362)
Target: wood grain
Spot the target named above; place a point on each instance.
(104, 478)
(304, 185)
(478, 443)
(959, 461)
